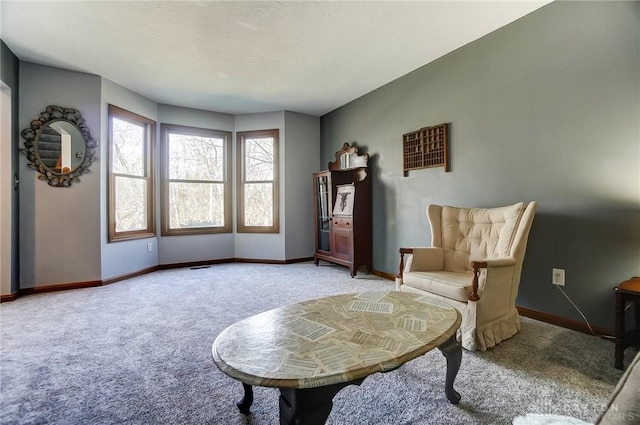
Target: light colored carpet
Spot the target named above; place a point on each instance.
(139, 352)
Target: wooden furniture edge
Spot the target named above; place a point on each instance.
(59, 287)
(129, 275)
(563, 322)
(9, 297)
(476, 265)
(402, 252)
(263, 261)
(385, 275)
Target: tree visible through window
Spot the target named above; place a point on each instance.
(258, 181)
(196, 196)
(131, 209)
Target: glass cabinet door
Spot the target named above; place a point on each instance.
(323, 205)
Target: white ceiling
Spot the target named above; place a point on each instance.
(244, 57)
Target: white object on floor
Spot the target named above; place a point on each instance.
(544, 419)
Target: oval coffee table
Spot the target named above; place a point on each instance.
(313, 349)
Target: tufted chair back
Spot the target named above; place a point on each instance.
(474, 263)
(466, 234)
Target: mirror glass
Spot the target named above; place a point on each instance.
(59, 146)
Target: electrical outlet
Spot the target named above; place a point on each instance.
(149, 247)
(557, 277)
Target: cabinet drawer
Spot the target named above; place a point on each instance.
(342, 223)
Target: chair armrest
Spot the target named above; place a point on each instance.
(402, 252)
(423, 258)
(476, 265)
(494, 262)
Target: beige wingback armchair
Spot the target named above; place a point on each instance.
(474, 263)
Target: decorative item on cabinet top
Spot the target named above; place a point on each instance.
(348, 158)
(425, 148)
(59, 146)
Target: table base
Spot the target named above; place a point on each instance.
(312, 406)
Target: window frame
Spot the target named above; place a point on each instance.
(241, 136)
(165, 131)
(149, 176)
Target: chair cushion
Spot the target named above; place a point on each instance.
(452, 285)
(477, 233)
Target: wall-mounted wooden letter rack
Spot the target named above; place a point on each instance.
(424, 148)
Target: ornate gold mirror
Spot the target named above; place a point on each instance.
(59, 146)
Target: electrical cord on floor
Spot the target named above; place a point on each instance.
(583, 316)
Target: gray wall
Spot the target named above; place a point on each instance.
(546, 109)
(59, 240)
(10, 75)
(302, 155)
(255, 245)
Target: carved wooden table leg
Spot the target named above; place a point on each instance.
(309, 406)
(452, 351)
(245, 404)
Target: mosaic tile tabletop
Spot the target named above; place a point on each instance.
(334, 339)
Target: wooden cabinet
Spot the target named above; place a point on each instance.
(342, 210)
